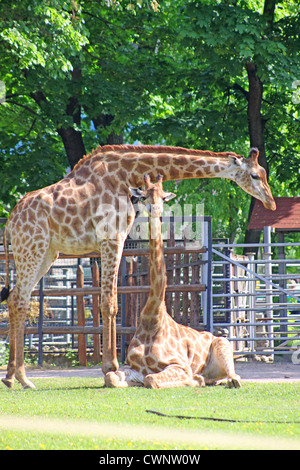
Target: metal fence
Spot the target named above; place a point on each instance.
(257, 298)
(62, 319)
(252, 299)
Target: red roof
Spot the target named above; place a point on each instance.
(285, 218)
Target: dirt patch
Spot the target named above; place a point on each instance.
(249, 372)
(268, 372)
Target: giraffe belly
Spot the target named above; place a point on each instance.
(75, 247)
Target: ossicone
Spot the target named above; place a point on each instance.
(254, 152)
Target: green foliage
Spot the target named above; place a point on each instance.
(209, 99)
(157, 72)
(224, 199)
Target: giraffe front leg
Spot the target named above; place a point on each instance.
(114, 380)
(111, 252)
(172, 376)
(125, 378)
(109, 350)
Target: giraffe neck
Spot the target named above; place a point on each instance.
(173, 167)
(158, 280)
(129, 164)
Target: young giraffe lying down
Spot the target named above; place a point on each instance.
(163, 353)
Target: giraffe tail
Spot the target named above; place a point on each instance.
(5, 291)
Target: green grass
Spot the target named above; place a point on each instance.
(70, 402)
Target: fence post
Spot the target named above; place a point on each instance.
(170, 266)
(177, 307)
(204, 274)
(210, 318)
(252, 315)
(185, 295)
(282, 282)
(195, 297)
(40, 324)
(96, 313)
(227, 286)
(80, 318)
(269, 296)
(123, 308)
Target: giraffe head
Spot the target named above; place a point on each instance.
(252, 178)
(153, 196)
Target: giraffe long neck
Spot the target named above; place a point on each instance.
(127, 165)
(173, 167)
(158, 280)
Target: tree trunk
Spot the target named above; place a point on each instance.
(256, 122)
(73, 144)
(72, 139)
(256, 125)
(105, 120)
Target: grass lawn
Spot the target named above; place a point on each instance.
(79, 413)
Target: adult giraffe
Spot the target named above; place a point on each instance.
(90, 210)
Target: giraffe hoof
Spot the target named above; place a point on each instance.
(234, 382)
(150, 382)
(8, 382)
(198, 381)
(28, 384)
(111, 380)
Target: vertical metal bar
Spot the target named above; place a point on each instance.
(282, 282)
(170, 266)
(82, 357)
(252, 282)
(123, 308)
(210, 320)
(96, 313)
(227, 286)
(72, 314)
(204, 274)
(268, 274)
(40, 323)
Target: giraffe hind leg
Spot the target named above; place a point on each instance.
(18, 306)
(11, 366)
(172, 376)
(221, 364)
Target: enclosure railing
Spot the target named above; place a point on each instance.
(252, 299)
(258, 297)
(188, 282)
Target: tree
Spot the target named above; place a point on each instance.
(209, 74)
(76, 74)
(239, 60)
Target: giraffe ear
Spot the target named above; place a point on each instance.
(136, 192)
(235, 160)
(169, 196)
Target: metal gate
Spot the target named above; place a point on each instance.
(256, 299)
(253, 300)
